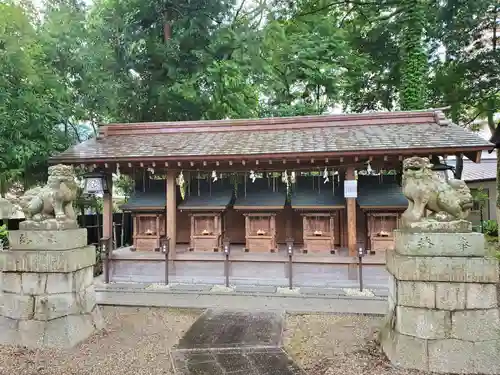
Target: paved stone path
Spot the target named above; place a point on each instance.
(234, 343)
(300, 300)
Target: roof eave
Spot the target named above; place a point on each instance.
(471, 152)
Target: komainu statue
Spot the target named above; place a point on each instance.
(51, 206)
(449, 202)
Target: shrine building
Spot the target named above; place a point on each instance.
(325, 185)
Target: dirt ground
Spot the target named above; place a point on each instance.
(136, 342)
(338, 345)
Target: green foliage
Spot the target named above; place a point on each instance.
(413, 55)
(490, 228)
(3, 235)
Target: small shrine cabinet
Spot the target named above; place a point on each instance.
(206, 231)
(381, 226)
(260, 232)
(148, 229)
(318, 232)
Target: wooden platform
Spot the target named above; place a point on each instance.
(238, 254)
(244, 268)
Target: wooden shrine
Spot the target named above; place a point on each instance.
(318, 232)
(381, 199)
(206, 204)
(148, 210)
(206, 232)
(381, 226)
(260, 201)
(260, 231)
(318, 202)
(148, 229)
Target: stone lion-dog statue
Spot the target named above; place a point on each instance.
(55, 199)
(425, 190)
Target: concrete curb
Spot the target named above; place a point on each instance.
(208, 296)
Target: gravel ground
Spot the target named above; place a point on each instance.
(338, 345)
(136, 342)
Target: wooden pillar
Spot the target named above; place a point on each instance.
(351, 228)
(107, 211)
(171, 210)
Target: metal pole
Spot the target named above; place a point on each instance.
(360, 260)
(166, 268)
(105, 246)
(289, 248)
(227, 249)
(165, 248)
(226, 269)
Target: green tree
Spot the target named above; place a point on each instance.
(31, 100)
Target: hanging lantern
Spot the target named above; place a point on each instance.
(441, 168)
(293, 178)
(214, 176)
(95, 183)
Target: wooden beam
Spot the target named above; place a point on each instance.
(351, 226)
(473, 156)
(171, 208)
(107, 210)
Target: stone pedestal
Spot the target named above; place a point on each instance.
(47, 296)
(443, 308)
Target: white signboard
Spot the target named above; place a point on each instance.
(350, 188)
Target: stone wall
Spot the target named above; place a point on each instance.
(47, 296)
(443, 305)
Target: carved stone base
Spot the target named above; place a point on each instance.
(47, 294)
(429, 225)
(49, 224)
(443, 306)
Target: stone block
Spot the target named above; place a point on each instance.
(416, 294)
(487, 357)
(47, 261)
(83, 278)
(8, 331)
(392, 293)
(476, 325)
(11, 282)
(97, 318)
(404, 351)
(32, 333)
(481, 296)
(440, 244)
(86, 300)
(16, 306)
(423, 323)
(55, 306)
(33, 283)
(48, 239)
(451, 356)
(60, 282)
(68, 331)
(442, 269)
(450, 296)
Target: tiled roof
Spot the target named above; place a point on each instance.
(381, 195)
(483, 171)
(149, 201)
(217, 200)
(294, 135)
(261, 200)
(312, 198)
